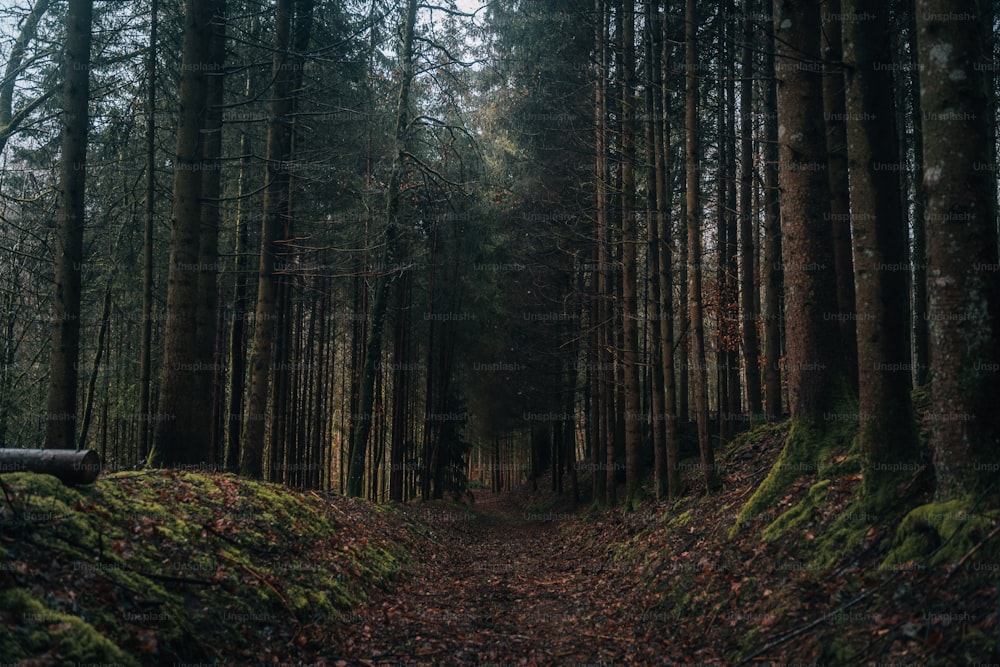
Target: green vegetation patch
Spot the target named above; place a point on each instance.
(32, 629)
(810, 449)
(945, 533)
(179, 566)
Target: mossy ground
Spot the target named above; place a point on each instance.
(170, 567)
(792, 547)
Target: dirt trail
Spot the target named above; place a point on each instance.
(504, 587)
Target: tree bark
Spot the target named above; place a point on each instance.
(664, 202)
(748, 269)
(839, 214)
(356, 472)
(209, 373)
(654, 177)
(813, 333)
(275, 208)
(177, 441)
(146, 334)
(630, 332)
(773, 272)
(694, 250)
(888, 437)
(602, 370)
(73, 467)
(60, 417)
(88, 405)
(918, 256)
(963, 301)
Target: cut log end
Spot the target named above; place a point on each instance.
(71, 467)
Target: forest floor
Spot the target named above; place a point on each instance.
(501, 584)
(178, 568)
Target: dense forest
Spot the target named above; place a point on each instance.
(398, 251)
(437, 250)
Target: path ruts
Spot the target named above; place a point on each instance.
(502, 586)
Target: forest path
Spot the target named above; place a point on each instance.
(506, 586)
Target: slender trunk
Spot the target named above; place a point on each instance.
(839, 214)
(664, 201)
(630, 333)
(694, 249)
(773, 265)
(400, 385)
(603, 386)
(92, 385)
(355, 481)
(275, 207)
(918, 257)
(722, 295)
(241, 309)
(277, 440)
(146, 332)
(734, 398)
(654, 176)
(748, 267)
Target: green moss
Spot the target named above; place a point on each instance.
(843, 537)
(800, 514)
(811, 441)
(40, 629)
(255, 549)
(940, 533)
(838, 651)
(681, 519)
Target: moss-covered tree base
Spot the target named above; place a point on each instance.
(946, 533)
(815, 447)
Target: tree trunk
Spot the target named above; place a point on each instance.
(400, 385)
(60, 417)
(630, 333)
(275, 208)
(963, 300)
(664, 202)
(355, 477)
(748, 268)
(839, 214)
(241, 309)
(814, 365)
(209, 370)
(694, 250)
(102, 335)
(146, 335)
(654, 177)
(722, 231)
(731, 412)
(918, 256)
(177, 440)
(773, 271)
(600, 371)
(888, 436)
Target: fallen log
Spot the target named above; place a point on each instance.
(70, 466)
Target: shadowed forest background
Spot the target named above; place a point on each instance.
(396, 252)
(403, 251)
